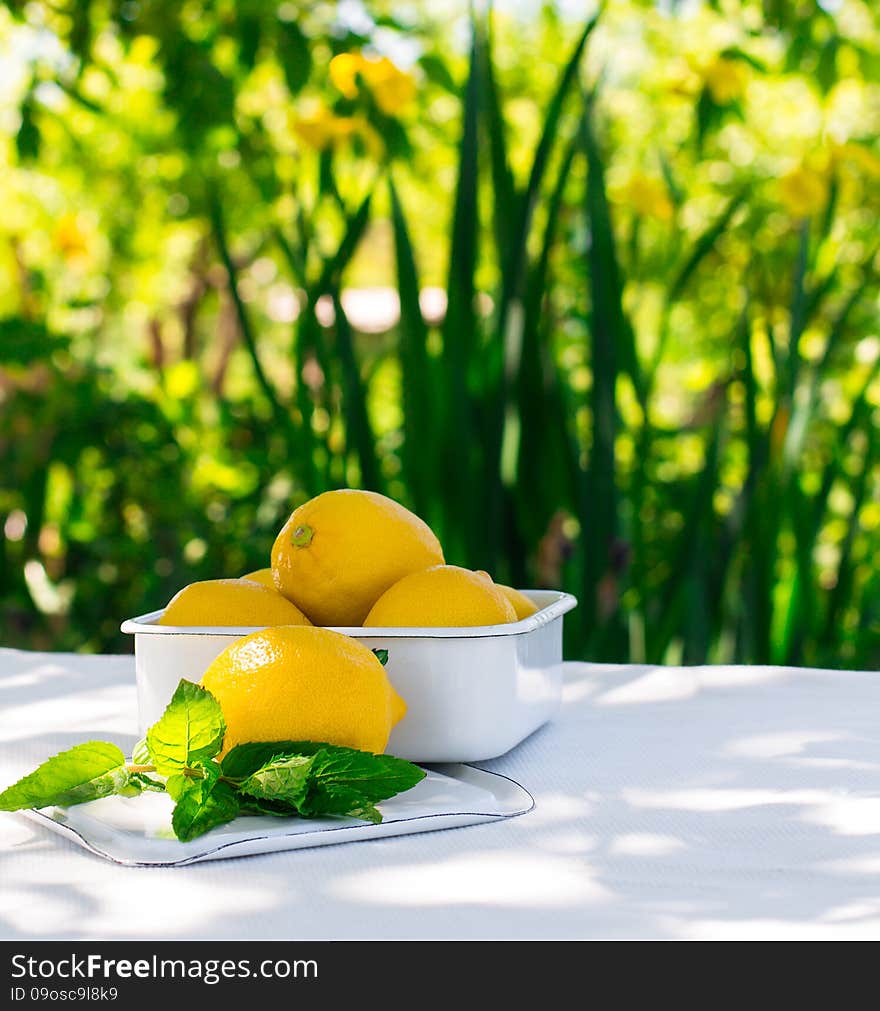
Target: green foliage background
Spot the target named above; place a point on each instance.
(596, 299)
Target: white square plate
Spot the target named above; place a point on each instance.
(136, 831)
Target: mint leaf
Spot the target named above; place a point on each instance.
(365, 813)
(340, 781)
(189, 731)
(116, 780)
(244, 759)
(349, 782)
(140, 753)
(374, 777)
(84, 772)
(381, 656)
(203, 804)
(282, 778)
(274, 808)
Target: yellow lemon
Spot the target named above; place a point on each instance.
(339, 552)
(231, 602)
(521, 603)
(263, 576)
(292, 683)
(444, 595)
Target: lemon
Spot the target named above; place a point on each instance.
(521, 603)
(263, 576)
(292, 683)
(339, 552)
(443, 595)
(236, 602)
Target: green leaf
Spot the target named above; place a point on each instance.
(84, 772)
(189, 731)
(339, 781)
(381, 656)
(27, 140)
(456, 420)
(24, 341)
(436, 71)
(340, 771)
(703, 246)
(284, 778)
(140, 753)
(244, 759)
(358, 428)
(116, 780)
(294, 55)
(248, 333)
(203, 805)
(612, 350)
(417, 385)
(273, 808)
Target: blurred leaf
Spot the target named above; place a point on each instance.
(250, 34)
(702, 247)
(460, 329)
(247, 331)
(354, 402)
(609, 339)
(735, 53)
(294, 54)
(436, 71)
(505, 198)
(25, 342)
(202, 95)
(27, 140)
(418, 388)
(81, 30)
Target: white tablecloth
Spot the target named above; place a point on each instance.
(703, 802)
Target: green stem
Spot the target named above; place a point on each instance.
(186, 770)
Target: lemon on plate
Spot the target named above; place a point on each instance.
(340, 551)
(441, 596)
(293, 683)
(231, 602)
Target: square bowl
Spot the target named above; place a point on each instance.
(471, 693)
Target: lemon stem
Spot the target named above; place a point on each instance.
(302, 536)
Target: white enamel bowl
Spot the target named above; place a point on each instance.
(471, 693)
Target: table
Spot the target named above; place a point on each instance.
(671, 802)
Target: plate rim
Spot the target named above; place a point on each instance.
(39, 816)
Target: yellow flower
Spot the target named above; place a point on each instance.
(343, 73)
(316, 128)
(646, 195)
(803, 191)
(857, 156)
(392, 89)
(70, 238)
(320, 129)
(726, 79)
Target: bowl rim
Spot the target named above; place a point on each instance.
(552, 604)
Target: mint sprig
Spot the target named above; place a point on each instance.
(315, 780)
(84, 772)
(308, 779)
